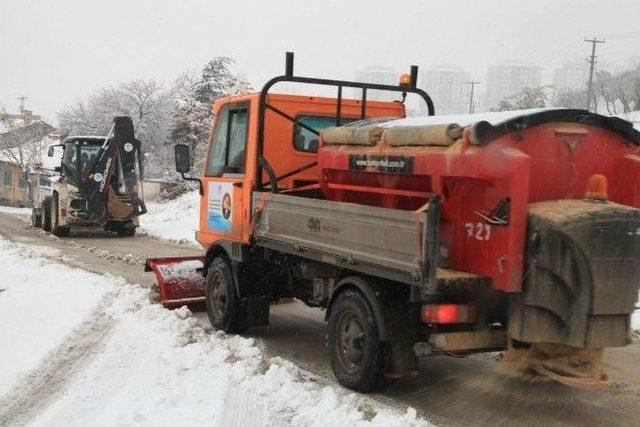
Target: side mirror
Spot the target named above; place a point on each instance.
(50, 151)
(183, 159)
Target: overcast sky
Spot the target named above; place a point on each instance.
(56, 52)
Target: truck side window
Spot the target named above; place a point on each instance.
(227, 154)
(304, 140)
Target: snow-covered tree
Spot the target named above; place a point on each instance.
(195, 96)
(529, 97)
(150, 105)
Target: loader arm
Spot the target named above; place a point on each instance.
(120, 154)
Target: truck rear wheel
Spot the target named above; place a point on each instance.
(223, 305)
(358, 356)
(126, 229)
(46, 213)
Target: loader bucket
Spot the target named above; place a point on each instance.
(180, 280)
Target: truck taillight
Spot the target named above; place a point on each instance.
(448, 313)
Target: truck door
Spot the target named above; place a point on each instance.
(222, 205)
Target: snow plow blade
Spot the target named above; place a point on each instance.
(180, 280)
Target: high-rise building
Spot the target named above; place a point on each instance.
(572, 75)
(448, 87)
(379, 75)
(506, 80)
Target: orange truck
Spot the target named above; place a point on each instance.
(419, 237)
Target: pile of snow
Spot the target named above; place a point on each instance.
(15, 211)
(175, 220)
(146, 366)
(635, 317)
(40, 303)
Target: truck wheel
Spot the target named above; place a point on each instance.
(36, 220)
(57, 230)
(223, 305)
(358, 358)
(126, 229)
(46, 213)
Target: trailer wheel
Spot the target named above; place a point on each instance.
(36, 220)
(60, 231)
(223, 305)
(46, 213)
(359, 358)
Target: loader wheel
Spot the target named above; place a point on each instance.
(358, 356)
(46, 214)
(36, 220)
(57, 230)
(223, 305)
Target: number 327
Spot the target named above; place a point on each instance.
(478, 230)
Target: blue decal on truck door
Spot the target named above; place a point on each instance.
(219, 207)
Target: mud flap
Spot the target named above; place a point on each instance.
(180, 280)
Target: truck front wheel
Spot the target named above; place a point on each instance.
(56, 229)
(46, 213)
(36, 219)
(223, 305)
(359, 358)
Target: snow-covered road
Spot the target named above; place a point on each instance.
(86, 349)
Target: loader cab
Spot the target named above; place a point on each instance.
(79, 157)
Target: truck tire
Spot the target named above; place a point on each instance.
(359, 358)
(57, 230)
(223, 304)
(36, 220)
(46, 213)
(126, 229)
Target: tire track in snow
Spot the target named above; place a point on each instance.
(243, 408)
(45, 384)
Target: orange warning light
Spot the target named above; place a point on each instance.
(597, 188)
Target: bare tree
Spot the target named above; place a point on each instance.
(528, 97)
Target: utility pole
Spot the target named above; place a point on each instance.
(473, 84)
(592, 65)
(22, 99)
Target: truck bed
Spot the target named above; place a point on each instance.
(382, 242)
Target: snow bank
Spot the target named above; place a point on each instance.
(635, 317)
(161, 368)
(40, 304)
(175, 220)
(15, 211)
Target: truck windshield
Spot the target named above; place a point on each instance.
(88, 154)
(79, 158)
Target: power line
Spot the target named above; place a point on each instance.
(592, 64)
(473, 84)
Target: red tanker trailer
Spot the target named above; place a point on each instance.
(515, 231)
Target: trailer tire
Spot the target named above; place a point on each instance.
(359, 358)
(223, 304)
(46, 213)
(57, 230)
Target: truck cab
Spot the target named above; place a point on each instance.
(288, 153)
